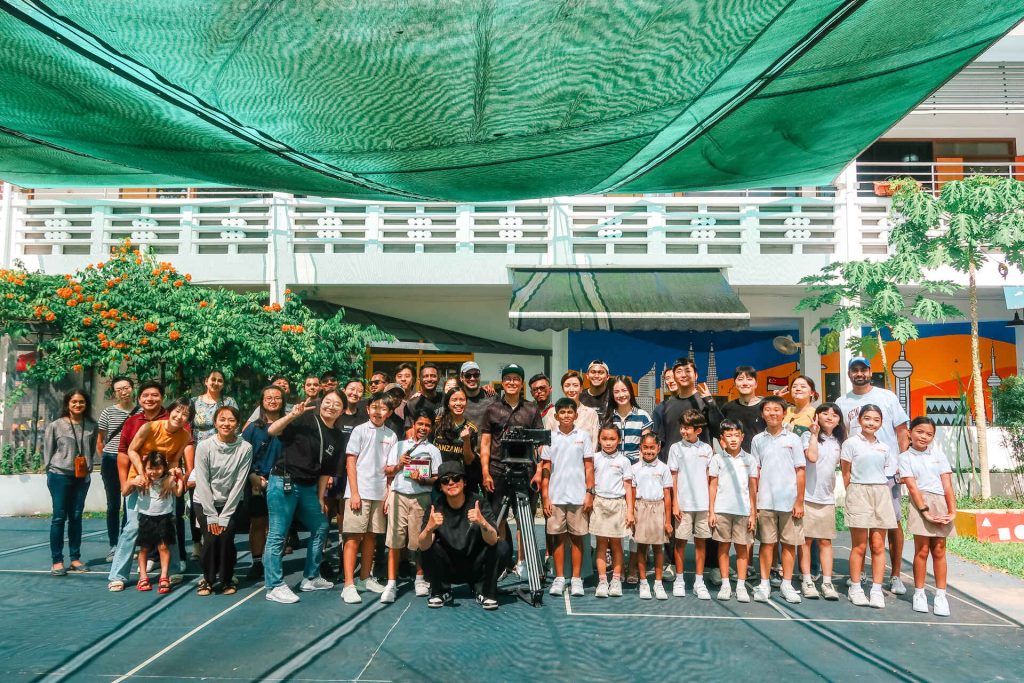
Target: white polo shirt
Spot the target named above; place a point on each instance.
(568, 482)
(778, 458)
(372, 447)
(869, 462)
(892, 416)
(821, 476)
(926, 468)
(423, 455)
(651, 479)
(733, 473)
(610, 474)
(690, 461)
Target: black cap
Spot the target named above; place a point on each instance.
(513, 369)
(452, 467)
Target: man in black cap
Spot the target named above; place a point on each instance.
(459, 541)
(511, 410)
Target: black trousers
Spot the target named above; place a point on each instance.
(219, 554)
(444, 568)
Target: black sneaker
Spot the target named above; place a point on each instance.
(255, 572)
(441, 600)
(487, 603)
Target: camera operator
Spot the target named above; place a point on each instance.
(511, 410)
(459, 541)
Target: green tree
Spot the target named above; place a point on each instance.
(862, 294)
(970, 222)
(138, 315)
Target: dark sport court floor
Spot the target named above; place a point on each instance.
(73, 629)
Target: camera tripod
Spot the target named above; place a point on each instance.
(518, 500)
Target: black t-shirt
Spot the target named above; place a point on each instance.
(476, 406)
(302, 457)
(456, 534)
(748, 416)
(500, 415)
(674, 408)
(346, 423)
(599, 402)
(431, 403)
(450, 443)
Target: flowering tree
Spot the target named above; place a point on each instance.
(134, 314)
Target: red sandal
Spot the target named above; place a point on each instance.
(144, 585)
(164, 586)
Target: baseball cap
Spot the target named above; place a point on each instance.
(450, 468)
(858, 359)
(513, 369)
(467, 366)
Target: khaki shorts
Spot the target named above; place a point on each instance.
(568, 519)
(368, 519)
(869, 506)
(819, 520)
(405, 519)
(774, 526)
(693, 524)
(609, 518)
(732, 529)
(919, 526)
(650, 522)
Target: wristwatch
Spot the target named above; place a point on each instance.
(923, 509)
(592, 491)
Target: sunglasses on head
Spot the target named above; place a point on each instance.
(450, 479)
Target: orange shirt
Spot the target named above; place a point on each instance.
(162, 440)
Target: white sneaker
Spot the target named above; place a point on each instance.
(372, 584)
(725, 592)
(941, 605)
(602, 590)
(659, 591)
(350, 594)
(679, 587)
(808, 590)
(856, 595)
(789, 593)
(150, 566)
(390, 593)
(557, 586)
(668, 572)
(422, 587)
(701, 591)
(576, 587)
(645, 590)
(521, 569)
(110, 555)
(182, 566)
(317, 583)
(615, 588)
(896, 586)
(828, 591)
(762, 593)
(741, 593)
(282, 594)
(920, 602)
(877, 599)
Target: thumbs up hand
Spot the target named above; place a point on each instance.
(475, 516)
(436, 519)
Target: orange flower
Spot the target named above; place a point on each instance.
(174, 335)
(144, 341)
(150, 327)
(138, 262)
(87, 321)
(50, 316)
(10, 296)
(276, 307)
(78, 289)
(90, 298)
(72, 302)
(188, 277)
(156, 271)
(99, 265)
(287, 291)
(163, 279)
(178, 283)
(76, 368)
(203, 304)
(152, 282)
(286, 328)
(104, 345)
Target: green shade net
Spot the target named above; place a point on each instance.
(475, 101)
(624, 299)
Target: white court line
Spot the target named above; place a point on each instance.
(951, 595)
(247, 678)
(381, 644)
(188, 635)
(779, 609)
(794, 620)
(568, 604)
(11, 551)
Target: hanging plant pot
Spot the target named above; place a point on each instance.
(883, 188)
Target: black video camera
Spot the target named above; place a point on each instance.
(518, 445)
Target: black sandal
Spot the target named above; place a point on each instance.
(204, 588)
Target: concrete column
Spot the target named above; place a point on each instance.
(809, 357)
(1018, 333)
(844, 359)
(559, 354)
(6, 224)
(280, 264)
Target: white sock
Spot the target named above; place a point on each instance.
(392, 583)
(698, 580)
(938, 591)
(826, 579)
(918, 591)
(805, 578)
(766, 584)
(876, 587)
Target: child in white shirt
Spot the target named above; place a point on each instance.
(821, 449)
(688, 461)
(613, 509)
(732, 494)
(652, 510)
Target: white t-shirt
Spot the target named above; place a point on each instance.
(152, 503)
(869, 462)
(821, 476)
(926, 468)
(893, 415)
(372, 447)
(424, 455)
(610, 474)
(691, 461)
(734, 473)
(651, 479)
(778, 458)
(568, 482)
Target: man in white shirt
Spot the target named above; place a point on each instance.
(893, 433)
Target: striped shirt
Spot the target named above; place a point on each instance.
(632, 427)
(112, 418)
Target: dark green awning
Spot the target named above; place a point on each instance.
(624, 299)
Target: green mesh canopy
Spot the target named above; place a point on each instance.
(467, 100)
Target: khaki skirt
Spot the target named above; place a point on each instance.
(819, 520)
(869, 506)
(650, 522)
(919, 526)
(608, 518)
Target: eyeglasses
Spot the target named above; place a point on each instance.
(471, 375)
(374, 382)
(450, 479)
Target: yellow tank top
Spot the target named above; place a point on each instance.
(162, 440)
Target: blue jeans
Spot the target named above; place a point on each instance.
(112, 487)
(121, 567)
(281, 506)
(68, 496)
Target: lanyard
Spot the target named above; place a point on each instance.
(79, 443)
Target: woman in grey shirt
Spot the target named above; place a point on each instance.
(68, 449)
